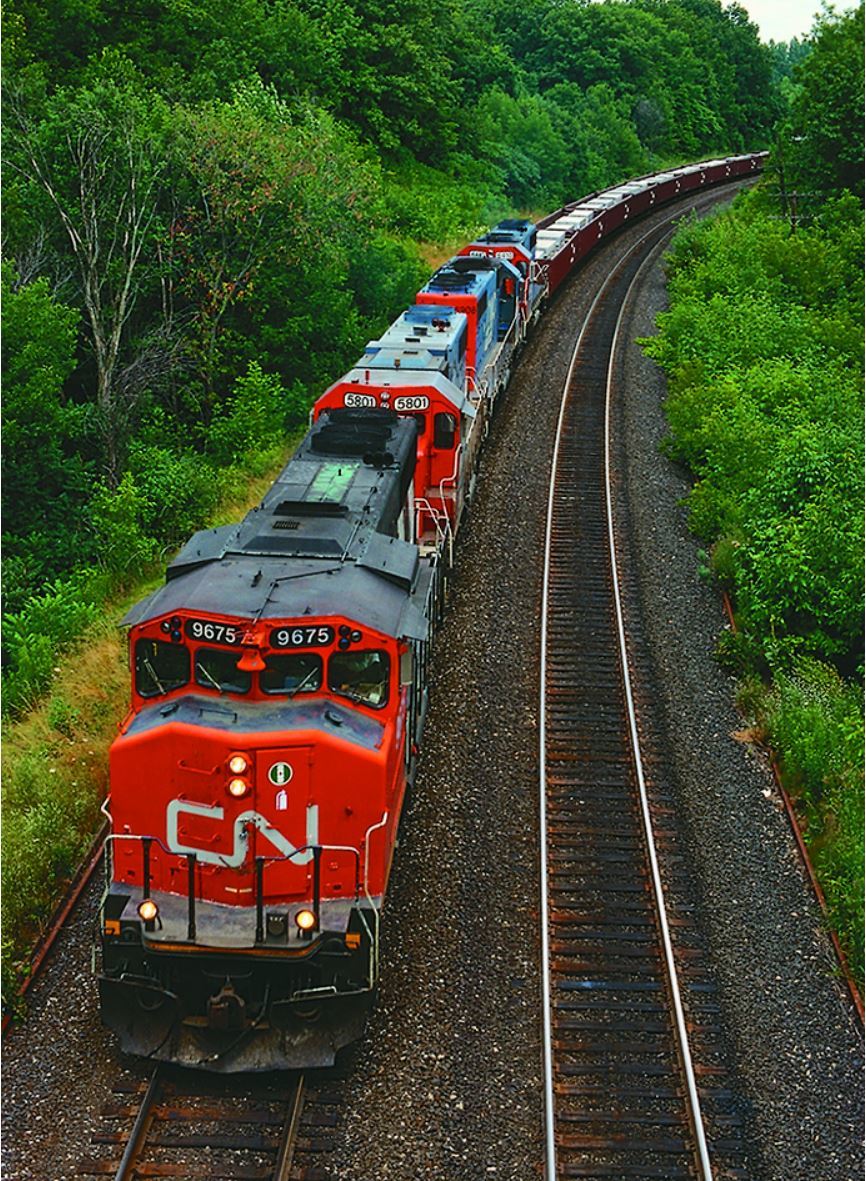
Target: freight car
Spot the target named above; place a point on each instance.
(279, 678)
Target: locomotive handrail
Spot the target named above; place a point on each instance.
(259, 863)
(317, 850)
(472, 389)
(452, 479)
(374, 940)
(443, 535)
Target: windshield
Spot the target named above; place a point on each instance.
(160, 667)
(290, 673)
(362, 676)
(215, 668)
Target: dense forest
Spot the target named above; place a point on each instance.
(764, 349)
(208, 209)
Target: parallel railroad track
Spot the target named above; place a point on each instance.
(188, 1125)
(635, 1073)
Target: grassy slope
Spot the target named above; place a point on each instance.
(55, 763)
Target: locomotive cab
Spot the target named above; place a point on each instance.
(418, 370)
(511, 241)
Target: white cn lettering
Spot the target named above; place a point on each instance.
(235, 859)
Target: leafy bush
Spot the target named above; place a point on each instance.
(764, 352)
(177, 492)
(424, 204)
(48, 820)
(385, 277)
(815, 719)
(34, 636)
(118, 517)
(257, 416)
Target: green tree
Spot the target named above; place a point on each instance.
(825, 128)
(265, 193)
(390, 70)
(97, 155)
(45, 482)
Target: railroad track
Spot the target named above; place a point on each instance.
(635, 1078)
(188, 1124)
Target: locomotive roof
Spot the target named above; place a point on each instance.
(463, 276)
(322, 541)
(470, 275)
(429, 327)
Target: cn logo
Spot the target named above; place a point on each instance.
(240, 836)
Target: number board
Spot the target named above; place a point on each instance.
(412, 402)
(355, 400)
(215, 633)
(302, 636)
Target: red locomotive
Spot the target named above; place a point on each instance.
(280, 679)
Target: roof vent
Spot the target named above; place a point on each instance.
(310, 508)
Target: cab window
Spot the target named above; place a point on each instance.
(160, 667)
(360, 676)
(295, 672)
(444, 431)
(217, 668)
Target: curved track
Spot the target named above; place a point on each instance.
(622, 1094)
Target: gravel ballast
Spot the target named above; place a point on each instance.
(447, 1080)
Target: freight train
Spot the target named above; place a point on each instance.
(280, 677)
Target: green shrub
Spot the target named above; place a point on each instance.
(46, 829)
(118, 519)
(258, 414)
(177, 492)
(815, 720)
(34, 636)
(62, 716)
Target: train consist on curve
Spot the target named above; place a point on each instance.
(279, 677)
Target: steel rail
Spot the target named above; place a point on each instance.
(705, 1167)
(547, 1036)
(286, 1150)
(283, 1151)
(138, 1134)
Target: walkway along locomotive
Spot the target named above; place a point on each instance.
(279, 678)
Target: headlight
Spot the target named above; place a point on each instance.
(305, 919)
(237, 764)
(148, 910)
(238, 788)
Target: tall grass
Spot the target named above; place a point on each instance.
(815, 720)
